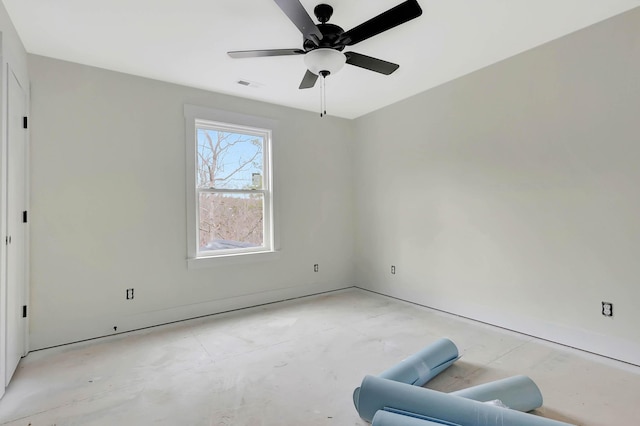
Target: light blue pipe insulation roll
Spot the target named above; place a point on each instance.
(390, 417)
(517, 392)
(376, 393)
(424, 365)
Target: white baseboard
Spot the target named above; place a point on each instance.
(578, 338)
(103, 326)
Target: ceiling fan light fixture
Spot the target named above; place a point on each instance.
(324, 59)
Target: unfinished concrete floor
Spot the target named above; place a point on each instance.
(297, 363)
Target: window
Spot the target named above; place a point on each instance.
(229, 186)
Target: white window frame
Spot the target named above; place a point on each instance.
(198, 117)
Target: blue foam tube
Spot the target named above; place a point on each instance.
(517, 392)
(424, 365)
(377, 393)
(389, 417)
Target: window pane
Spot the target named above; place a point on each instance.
(230, 221)
(229, 160)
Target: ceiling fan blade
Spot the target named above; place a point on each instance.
(308, 81)
(261, 53)
(369, 63)
(301, 19)
(393, 17)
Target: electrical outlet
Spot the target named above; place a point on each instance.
(607, 309)
(315, 268)
(129, 294)
(393, 270)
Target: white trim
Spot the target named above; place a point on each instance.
(27, 226)
(266, 191)
(232, 259)
(103, 326)
(233, 191)
(586, 340)
(197, 115)
(9, 60)
(3, 218)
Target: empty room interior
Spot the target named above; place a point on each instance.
(201, 233)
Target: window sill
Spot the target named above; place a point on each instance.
(232, 259)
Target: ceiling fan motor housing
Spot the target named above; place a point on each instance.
(330, 38)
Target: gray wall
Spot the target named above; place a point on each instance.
(511, 195)
(108, 205)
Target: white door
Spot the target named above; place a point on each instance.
(16, 228)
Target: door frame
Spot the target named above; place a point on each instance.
(22, 78)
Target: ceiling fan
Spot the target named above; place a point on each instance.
(323, 43)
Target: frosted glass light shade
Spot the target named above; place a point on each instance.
(324, 60)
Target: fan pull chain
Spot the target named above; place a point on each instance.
(323, 102)
(323, 94)
(323, 108)
(321, 97)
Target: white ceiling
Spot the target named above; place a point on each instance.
(185, 42)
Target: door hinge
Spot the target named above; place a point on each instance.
(24, 311)
(25, 123)
(24, 216)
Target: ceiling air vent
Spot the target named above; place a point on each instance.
(248, 83)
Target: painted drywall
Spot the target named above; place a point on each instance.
(506, 196)
(511, 195)
(108, 205)
(13, 50)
